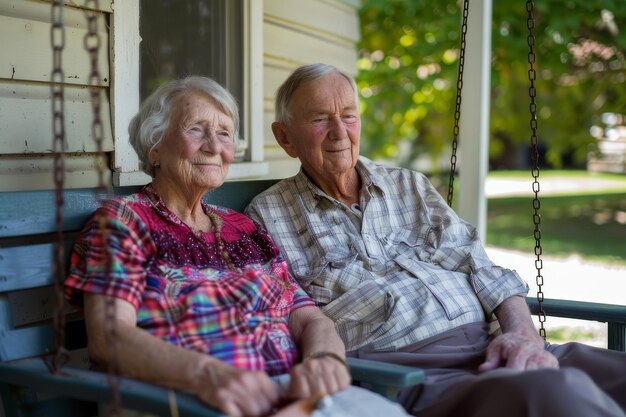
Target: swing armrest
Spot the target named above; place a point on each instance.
(91, 386)
(612, 314)
(26, 380)
(384, 378)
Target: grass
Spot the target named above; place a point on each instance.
(588, 223)
(558, 173)
(563, 334)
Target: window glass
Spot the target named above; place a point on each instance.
(185, 37)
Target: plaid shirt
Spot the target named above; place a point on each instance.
(182, 289)
(401, 269)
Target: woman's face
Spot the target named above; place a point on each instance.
(198, 146)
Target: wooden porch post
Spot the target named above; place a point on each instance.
(473, 148)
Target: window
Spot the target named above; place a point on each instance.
(185, 37)
(221, 39)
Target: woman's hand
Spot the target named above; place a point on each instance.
(322, 371)
(322, 375)
(236, 392)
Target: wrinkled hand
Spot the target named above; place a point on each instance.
(237, 392)
(323, 375)
(515, 351)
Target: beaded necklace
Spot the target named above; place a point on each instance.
(214, 218)
(216, 226)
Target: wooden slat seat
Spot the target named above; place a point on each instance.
(27, 233)
(27, 236)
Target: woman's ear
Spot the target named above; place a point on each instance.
(153, 155)
(283, 138)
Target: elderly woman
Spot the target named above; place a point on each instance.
(203, 301)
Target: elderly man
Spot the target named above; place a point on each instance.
(407, 281)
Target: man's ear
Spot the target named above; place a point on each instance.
(283, 138)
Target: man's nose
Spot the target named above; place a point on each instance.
(336, 128)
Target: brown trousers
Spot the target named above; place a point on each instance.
(590, 383)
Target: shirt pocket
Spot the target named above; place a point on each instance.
(363, 314)
(413, 241)
(327, 276)
(452, 289)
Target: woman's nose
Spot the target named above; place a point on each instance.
(211, 141)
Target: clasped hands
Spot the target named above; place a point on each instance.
(240, 393)
(516, 351)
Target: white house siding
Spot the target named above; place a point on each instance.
(297, 32)
(25, 123)
(293, 32)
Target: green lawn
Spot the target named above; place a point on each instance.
(591, 223)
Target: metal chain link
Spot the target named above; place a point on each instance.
(57, 79)
(457, 112)
(532, 92)
(92, 44)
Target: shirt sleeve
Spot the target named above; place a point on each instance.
(117, 234)
(454, 245)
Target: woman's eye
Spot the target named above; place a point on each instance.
(224, 136)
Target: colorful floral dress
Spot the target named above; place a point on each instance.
(183, 288)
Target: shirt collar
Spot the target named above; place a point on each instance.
(312, 196)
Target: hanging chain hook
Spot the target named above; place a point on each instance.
(532, 92)
(457, 111)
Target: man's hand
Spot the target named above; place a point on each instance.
(323, 375)
(515, 351)
(237, 392)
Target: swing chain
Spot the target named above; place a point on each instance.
(92, 44)
(532, 76)
(57, 78)
(457, 111)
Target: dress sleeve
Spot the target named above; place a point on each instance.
(117, 234)
(279, 268)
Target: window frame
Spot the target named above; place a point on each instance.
(125, 40)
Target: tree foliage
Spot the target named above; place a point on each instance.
(408, 64)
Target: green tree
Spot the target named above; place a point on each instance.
(408, 69)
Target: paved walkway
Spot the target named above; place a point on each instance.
(569, 279)
(503, 187)
(565, 278)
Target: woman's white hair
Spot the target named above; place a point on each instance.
(149, 125)
(300, 76)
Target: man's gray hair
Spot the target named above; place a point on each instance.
(300, 76)
(149, 125)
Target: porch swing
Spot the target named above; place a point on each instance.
(31, 386)
(613, 315)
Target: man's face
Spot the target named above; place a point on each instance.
(325, 128)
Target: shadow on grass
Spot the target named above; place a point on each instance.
(590, 225)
